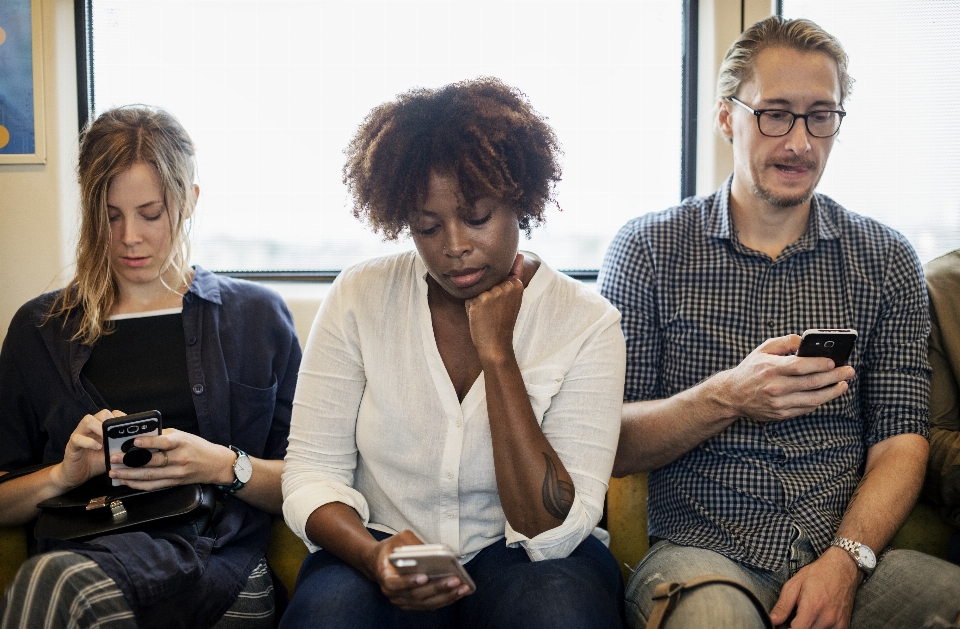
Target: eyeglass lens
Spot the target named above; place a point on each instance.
(820, 124)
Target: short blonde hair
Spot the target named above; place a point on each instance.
(773, 32)
(111, 144)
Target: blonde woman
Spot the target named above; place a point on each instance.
(139, 329)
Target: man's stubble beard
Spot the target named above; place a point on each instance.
(786, 201)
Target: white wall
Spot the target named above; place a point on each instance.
(38, 202)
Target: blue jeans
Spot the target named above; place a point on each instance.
(584, 590)
(908, 590)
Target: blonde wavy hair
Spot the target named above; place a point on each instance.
(777, 32)
(111, 144)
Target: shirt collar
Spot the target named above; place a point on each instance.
(205, 285)
(719, 224)
(718, 213)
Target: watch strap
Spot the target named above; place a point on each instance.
(237, 483)
(853, 549)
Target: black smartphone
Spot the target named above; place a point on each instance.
(835, 344)
(118, 436)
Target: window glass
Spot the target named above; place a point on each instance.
(897, 156)
(272, 91)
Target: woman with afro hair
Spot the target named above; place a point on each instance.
(463, 393)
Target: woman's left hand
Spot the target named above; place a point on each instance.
(182, 458)
(493, 315)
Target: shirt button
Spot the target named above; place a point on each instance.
(771, 323)
(458, 423)
(198, 389)
(192, 340)
(450, 514)
(449, 474)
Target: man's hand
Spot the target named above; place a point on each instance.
(769, 385)
(820, 595)
(772, 385)
(413, 592)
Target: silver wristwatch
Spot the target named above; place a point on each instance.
(861, 553)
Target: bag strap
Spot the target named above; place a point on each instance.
(667, 596)
(23, 471)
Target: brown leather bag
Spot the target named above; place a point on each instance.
(667, 596)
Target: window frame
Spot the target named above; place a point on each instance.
(86, 94)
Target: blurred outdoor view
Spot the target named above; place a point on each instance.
(272, 91)
(897, 157)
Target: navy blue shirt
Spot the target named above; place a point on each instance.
(695, 301)
(242, 361)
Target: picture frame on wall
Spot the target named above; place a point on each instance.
(22, 137)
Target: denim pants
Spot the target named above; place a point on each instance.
(584, 590)
(908, 590)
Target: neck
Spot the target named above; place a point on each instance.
(156, 295)
(765, 227)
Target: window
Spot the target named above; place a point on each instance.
(896, 157)
(272, 91)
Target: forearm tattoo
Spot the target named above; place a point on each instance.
(856, 494)
(557, 494)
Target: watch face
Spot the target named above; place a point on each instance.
(243, 469)
(866, 556)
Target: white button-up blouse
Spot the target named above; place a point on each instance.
(377, 424)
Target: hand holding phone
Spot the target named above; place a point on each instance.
(434, 560)
(119, 434)
(835, 344)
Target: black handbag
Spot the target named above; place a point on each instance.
(98, 508)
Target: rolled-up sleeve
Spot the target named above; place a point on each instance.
(896, 368)
(322, 453)
(582, 424)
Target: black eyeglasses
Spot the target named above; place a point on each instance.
(778, 122)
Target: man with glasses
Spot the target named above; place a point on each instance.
(788, 475)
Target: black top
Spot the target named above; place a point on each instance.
(142, 366)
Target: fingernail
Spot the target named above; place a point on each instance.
(422, 579)
(452, 583)
(138, 442)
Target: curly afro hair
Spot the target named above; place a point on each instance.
(482, 132)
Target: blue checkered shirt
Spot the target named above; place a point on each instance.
(696, 301)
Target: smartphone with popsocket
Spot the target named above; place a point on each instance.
(836, 344)
(118, 436)
(434, 560)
